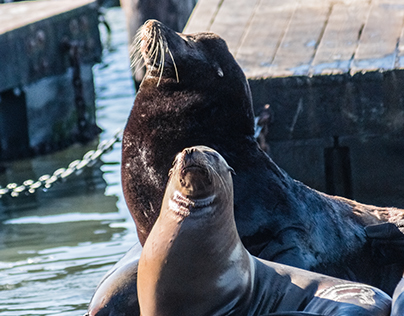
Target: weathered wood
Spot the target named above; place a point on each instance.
(231, 21)
(272, 38)
(340, 39)
(400, 51)
(261, 41)
(202, 16)
(378, 42)
(299, 44)
(17, 15)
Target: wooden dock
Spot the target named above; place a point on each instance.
(47, 51)
(279, 38)
(332, 73)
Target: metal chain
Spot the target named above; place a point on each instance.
(76, 167)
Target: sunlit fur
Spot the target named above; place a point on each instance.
(150, 48)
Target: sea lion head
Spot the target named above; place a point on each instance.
(169, 55)
(200, 178)
(190, 69)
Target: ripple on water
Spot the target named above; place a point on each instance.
(56, 246)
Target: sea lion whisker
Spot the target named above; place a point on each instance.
(136, 42)
(160, 62)
(162, 59)
(135, 46)
(136, 57)
(154, 54)
(174, 64)
(138, 65)
(153, 47)
(136, 61)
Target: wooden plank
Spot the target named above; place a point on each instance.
(334, 2)
(377, 46)
(400, 45)
(202, 16)
(231, 21)
(19, 14)
(340, 40)
(398, 2)
(298, 46)
(400, 51)
(264, 35)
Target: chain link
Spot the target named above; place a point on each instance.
(75, 167)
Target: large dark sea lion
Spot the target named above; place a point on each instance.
(193, 262)
(195, 93)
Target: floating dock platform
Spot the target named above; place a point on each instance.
(47, 51)
(332, 73)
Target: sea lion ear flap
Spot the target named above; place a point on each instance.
(218, 69)
(232, 170)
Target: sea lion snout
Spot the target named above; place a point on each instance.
(195, 182)
(195, 177)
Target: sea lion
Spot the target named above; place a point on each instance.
(194, 263)
(197, 94)
(194, 92)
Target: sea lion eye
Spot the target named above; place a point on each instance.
(220, 72)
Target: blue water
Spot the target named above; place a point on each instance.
(55, 246)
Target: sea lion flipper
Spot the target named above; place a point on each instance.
(350, 299)
(387, 242)
(397, 305)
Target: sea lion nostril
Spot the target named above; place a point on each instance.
(189, 152)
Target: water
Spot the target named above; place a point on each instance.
(56, 246)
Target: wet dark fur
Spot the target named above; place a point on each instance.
(278, 218)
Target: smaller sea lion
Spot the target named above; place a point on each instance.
(194, 263)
